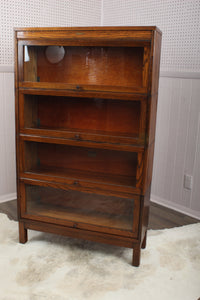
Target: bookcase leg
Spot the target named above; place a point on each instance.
(136, 256)
(22, 233)
(144, 241)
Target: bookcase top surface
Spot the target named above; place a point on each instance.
(89, 28)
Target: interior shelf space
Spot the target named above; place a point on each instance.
(105, 118)
(94, 165)
(102, 66)
(75, 206)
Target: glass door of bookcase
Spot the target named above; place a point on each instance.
(82, 210)
(86, 67)
(88, 118)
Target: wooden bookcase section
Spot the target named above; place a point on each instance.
(120, 66)
(86, 101)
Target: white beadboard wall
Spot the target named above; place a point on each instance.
(177, 19)
(177, 148)
(7, 138)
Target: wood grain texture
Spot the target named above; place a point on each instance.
(103, 66)
(79, 185)
(102, 120)
(79, 36)
(152, 110)
(22, 233)
(82, 234)
(49, 91)
(76, 142)
(89, 28)
(81, 210)
(72, 141)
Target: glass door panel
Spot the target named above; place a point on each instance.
(93, 165)
(80, 208)
(98, 66)
(97, 116)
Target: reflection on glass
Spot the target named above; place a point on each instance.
(26, 55)
(81, 163)
(99, 210)
(54, 54)
(105, 66)
(91, 115)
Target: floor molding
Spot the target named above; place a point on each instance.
(181, 74)
(177, 207)
(8, 197)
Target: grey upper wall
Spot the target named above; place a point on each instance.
(177, 19)
(37, 13)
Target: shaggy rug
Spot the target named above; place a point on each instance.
(55, 267)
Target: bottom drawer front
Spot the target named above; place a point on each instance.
(82, 210)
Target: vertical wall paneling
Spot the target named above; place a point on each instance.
(177, 145)
(182, 121)
(2, 138)
(163, 115)
(7, 136)
(195, 205)
(195, 196)
(10, 131)
(171, 140)
(191, 154)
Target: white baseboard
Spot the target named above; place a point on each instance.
(8, 197)
(182, 209)
(180, 74)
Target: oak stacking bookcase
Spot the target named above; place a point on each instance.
(86, 102)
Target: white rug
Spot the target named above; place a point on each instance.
(54, 267)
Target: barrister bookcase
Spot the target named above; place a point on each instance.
(86, 102)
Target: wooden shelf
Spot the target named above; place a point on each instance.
(93, 165)
(56, 137)
(47, 89)
(96, 119)
(90, 132)
(113, 179)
